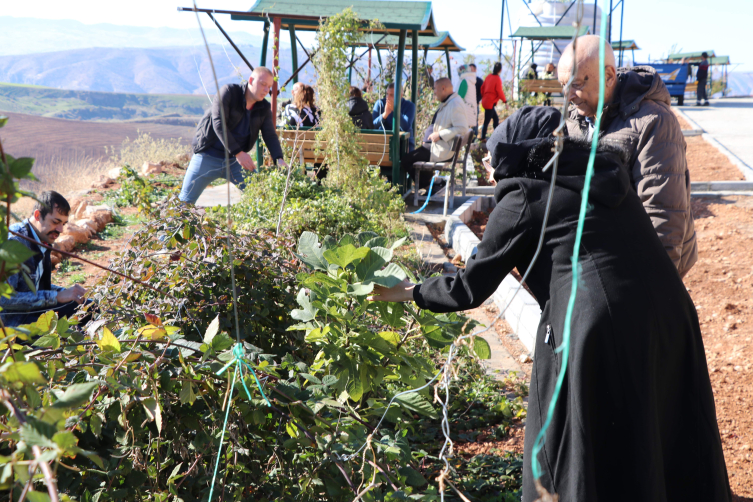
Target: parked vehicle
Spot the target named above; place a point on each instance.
(675, 77)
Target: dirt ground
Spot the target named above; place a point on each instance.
(706, 163)
(721, 285)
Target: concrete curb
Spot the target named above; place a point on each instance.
(721, 186)
(523, 313)
(744, 168)
(692, 123)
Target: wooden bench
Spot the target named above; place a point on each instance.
(546, 85)
(375, 145)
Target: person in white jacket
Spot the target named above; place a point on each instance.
(450, 120)
(467, 91)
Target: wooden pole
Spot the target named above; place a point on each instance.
(276, 55)
(368, 76)
(352, 62)
(449, 66)
(262, 62)
(396, 114)
(414, 75)
(293, 52)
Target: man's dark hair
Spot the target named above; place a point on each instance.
(474, 66)
(497, 68)
(534, 65)
(49, 201)
(391, 85)
(355, 92)
(705, 54)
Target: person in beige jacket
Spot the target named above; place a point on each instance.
(637, 117)
(450, 120)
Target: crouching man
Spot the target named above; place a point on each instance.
(25, 306)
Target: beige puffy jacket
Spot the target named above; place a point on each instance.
(639, 119)
(451, 120)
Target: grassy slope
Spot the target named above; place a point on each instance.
(90, 105)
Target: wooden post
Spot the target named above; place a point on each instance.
(368, 76)
(449, 66)
(262, 62)
(414, 76)
(414, 67)
(293, 52)
(352, 63)
(396, 114)
(276, 57)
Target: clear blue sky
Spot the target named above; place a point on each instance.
(694, 25)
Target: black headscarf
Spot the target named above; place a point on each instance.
(513, 138)
(523, 144)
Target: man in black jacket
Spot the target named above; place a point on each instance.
(702, 75)
(246, 114)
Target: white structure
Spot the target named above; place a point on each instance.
(549, 13)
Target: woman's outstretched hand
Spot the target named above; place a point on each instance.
(402, 292)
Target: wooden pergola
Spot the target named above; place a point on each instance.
(443, 41)
(406, 21)
(625, 45)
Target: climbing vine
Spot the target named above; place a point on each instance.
(338, 135)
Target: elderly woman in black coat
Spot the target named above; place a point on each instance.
(635, 420)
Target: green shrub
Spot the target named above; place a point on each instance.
(317, 208)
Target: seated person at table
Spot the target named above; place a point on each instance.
(381, 115)
(44, 226)
(450, 119)
(358, 109)
(302, 112)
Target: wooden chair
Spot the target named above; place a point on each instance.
(447, 166)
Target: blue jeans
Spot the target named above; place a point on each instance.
(204, 169)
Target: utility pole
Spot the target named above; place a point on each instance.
(501, 30)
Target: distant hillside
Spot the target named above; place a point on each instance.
(22, 35)
(173, 70)
(87, 105)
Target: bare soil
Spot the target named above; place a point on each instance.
(706, 163)
(45, 138)
(721, 285)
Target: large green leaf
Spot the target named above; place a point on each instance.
(76, 395)
(211, 332)
(416, 402)
(413, 477)
(342, 256)
(25, 372)
(392, 313)
(375, 259)
(307, 312)
(481, 348)
(310, 252)
(364, 237)
(13, 252)
(436, 336)
(391, 275)
(21, 167)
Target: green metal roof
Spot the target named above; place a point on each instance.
(549, 32)
(627, 45)
(439, 43)
(719, 60)
(305, 14)
(689, 55)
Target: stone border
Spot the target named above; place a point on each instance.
(744, 168)
(696, 129)
(523, 314)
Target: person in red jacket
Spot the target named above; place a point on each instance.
(491, 92)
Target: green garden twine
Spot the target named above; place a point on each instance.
(239, 353)
(565, 347)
